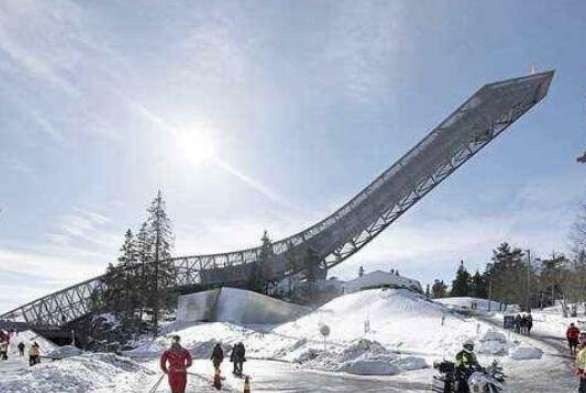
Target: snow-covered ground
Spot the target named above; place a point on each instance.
(472, 303)
(394, 333)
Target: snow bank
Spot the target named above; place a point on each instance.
(90, 372)
(525, 353)
(362, 357)
(369, 367)
(493, 343)
(201, 337)
(493, 335)
(396, 318)
(64, 352)
(469, 303)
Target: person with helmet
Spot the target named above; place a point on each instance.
(179, 360)
(466, 364)
(572, 336)
(581, 362)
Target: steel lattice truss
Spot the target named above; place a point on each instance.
(467, 130)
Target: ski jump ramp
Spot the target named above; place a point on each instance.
(478, 121)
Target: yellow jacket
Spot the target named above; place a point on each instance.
(581, 359)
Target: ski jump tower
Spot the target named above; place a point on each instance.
(480, 119)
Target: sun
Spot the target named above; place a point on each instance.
(196, 146)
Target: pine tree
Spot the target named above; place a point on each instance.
(461, 285)
(427, 291)
(478, 286)
(161, 276)
(127, 264)
(439, 289)
(506, 272)
(144, 256)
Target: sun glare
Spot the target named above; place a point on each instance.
(197, 147)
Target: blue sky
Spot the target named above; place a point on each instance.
(269, 115)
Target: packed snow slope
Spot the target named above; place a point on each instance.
(85, 373)
(397, 318)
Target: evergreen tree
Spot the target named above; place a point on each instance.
(160, 273)
(144, 256)
(130, 276)
(439, 289)
(427, 291)
(478, 286)
(113, 288)
(506, 272)
(461, 285)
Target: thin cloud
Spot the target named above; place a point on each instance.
(256, 185)
(16, 165)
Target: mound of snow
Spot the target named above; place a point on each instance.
(397, 318)
(360, 348)
(362, 357)
(369, 367)
(64, 352)
(493, 335)
(525, 353)
(200, 338)
(492, 347)
(85, 373)
(493, 343)
(409, 363)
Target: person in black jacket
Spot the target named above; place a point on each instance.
(238, 357)
(217, 357)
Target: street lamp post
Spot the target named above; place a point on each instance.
(528, 295)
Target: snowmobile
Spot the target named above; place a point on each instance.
(482, 380)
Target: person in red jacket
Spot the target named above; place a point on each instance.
(179, 360)
(572, 335)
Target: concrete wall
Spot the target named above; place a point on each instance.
(237, 306)
(199, 306)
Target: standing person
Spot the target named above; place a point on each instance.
(4, 350)
(529, 323)
(518, 323)
(233, 359)
(572, 335)
(217, 357)
(34, 354)
(581, 363)
(179, 360)
(524, 324)
(20, 348)
(238, 357)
